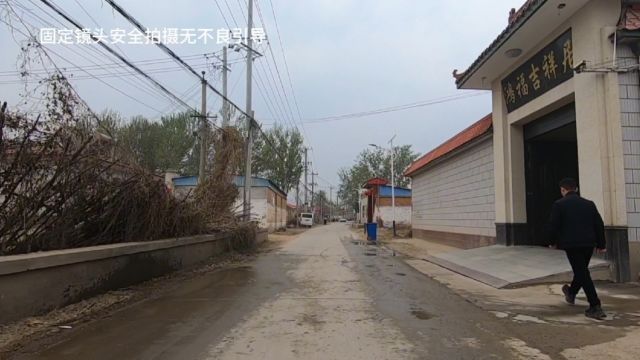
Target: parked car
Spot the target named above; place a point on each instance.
(342, 220)
(306, 219)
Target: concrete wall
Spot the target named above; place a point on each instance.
(403, 215)
(276, 210)
(33, 284)
(456, 195)
(268, 208)
(630, 121)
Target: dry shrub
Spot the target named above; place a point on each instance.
(217, 194)
(63, 185)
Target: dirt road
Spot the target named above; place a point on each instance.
(321, 295)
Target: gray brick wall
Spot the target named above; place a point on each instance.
(457, 195)
(630, 120)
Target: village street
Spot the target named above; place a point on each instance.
(319, 295)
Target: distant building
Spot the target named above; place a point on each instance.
(268, 201)
(292, 214)
(376, 203)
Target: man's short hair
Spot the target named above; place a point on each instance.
(568, 184)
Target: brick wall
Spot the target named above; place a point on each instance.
(630, 119)
(457, 195)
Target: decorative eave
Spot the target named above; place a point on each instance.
(527, 27)
(516, 20)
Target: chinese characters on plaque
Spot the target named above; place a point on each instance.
(547, 69)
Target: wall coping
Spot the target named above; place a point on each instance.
(12, 264)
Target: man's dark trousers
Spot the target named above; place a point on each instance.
(579, 259)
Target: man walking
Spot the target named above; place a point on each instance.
(577, 228)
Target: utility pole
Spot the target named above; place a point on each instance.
(393, 187)
(203, 132)
(249, 111)
(247, 171)
(313, 183)
(312, 186)
(321, 210)
(330, 207)
(225, 104)
(298, 203)
(306, 168)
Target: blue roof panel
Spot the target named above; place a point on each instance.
(237, 181)
(385, 191)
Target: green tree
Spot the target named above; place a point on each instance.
(278, 156)
(370, 163)
(169, 144)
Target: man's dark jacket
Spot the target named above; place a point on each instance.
(575, 222)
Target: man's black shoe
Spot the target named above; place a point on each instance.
(568, 297)
(595, 312)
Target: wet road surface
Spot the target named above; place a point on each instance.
(320, 296)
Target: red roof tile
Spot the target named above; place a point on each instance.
(472, 132)
(375, 181)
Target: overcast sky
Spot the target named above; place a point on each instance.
(343, 56)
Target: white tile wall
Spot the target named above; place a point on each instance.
(630, 120)
(457, 195)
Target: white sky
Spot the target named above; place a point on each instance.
(344, 56)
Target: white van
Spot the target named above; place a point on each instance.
(306, 219)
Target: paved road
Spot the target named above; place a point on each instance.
(319, 296)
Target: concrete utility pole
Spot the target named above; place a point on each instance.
(247, 173)
(203, 132)
(306, 179)
(330, 207)
(313, 183)
(359, 207)
(393, 187)
(225, 104)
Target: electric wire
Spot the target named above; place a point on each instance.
(126, 80)
(118, 55)
(394, 108)
(105, 83)
(171, 53)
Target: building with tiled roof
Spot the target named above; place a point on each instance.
(453, 192)
(377, 200)
(565, 84)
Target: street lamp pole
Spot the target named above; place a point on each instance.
(393, 182)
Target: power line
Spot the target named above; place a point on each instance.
(105, 83)
(231, 12)
(31, 13)
(393, 108)
(170, 52)
(280, 90)
(288, 72)
(222, 13)
(72, 89)
(109, 74)
(141, 63)
(269, 83)
(135, 85)
(115, 53)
